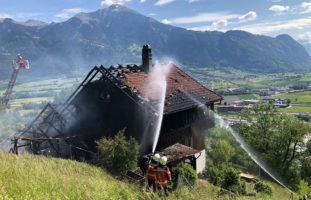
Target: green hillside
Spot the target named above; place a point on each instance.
(36, 177)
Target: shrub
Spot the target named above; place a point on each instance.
(186, 175)
(230, 178)
(263, 188)
(215, 174)
(304, 188)
(118, 154)
(226, 177)
(222, 152)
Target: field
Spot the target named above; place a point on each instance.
(300, 102)
(297, 97)
(221, 79)
(247, 96)
(28, 98)
(36, 177)
(32, 95)
(231, 78)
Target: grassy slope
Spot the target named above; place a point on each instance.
(35, 177)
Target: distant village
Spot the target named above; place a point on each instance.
(233, 105)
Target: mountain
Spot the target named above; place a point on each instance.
(307, 46)
(116, 34)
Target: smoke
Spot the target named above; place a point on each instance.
(10, 123)
(156, 82)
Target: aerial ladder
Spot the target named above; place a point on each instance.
(18, 63)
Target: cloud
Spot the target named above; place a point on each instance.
(166, 21)
(305, 7)
(27, 15)
(279, 8)
(220, 24)
(110, 2)
(208, 28)
(269, 27)
(67, 13)
(152, 14)
(305, 37)
(251, 15)
(204, 17)
(193, 1)
(142, 1)
(265, 27)
(275, 1)
(4, 15)
(163, 2)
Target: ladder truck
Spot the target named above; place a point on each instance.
(18, 63)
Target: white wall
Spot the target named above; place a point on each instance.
(201, 161)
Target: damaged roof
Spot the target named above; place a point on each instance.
(183, 92)
(178, 151)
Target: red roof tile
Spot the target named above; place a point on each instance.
(183, 92)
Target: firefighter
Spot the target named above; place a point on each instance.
(154, 161)
(163, 175)
(21, 63)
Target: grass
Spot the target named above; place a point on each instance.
(297, 97)
(223, 78)
(296, 109)
(301, 102)
(48, 87)
(36, 177)
(248, 96)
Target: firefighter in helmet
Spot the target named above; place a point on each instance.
(153, 163)
(163, 175)
(20, 62)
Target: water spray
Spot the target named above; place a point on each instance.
(160, 116)
(242, 143)
(156, 90)
(249, 151)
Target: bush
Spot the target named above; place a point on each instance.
(263, 188)
(230, 178)
(226, 177)
(222, 152)
(304, 188)
(118, 154)
(186, 175)
(214, 174)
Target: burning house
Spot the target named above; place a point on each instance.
(114, 98)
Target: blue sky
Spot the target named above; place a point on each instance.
(268, 17)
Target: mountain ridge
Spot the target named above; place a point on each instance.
(116, 34)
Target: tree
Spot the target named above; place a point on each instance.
(118, 154)
(278, 138)
(309, 146)
(261, 123)
(221, 152)
(291, 136)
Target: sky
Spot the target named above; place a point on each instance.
(268, 17)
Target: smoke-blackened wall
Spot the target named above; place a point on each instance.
(103, 110)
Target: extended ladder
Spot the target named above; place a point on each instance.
(9, 89)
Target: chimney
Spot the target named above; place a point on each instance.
(146, 58)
